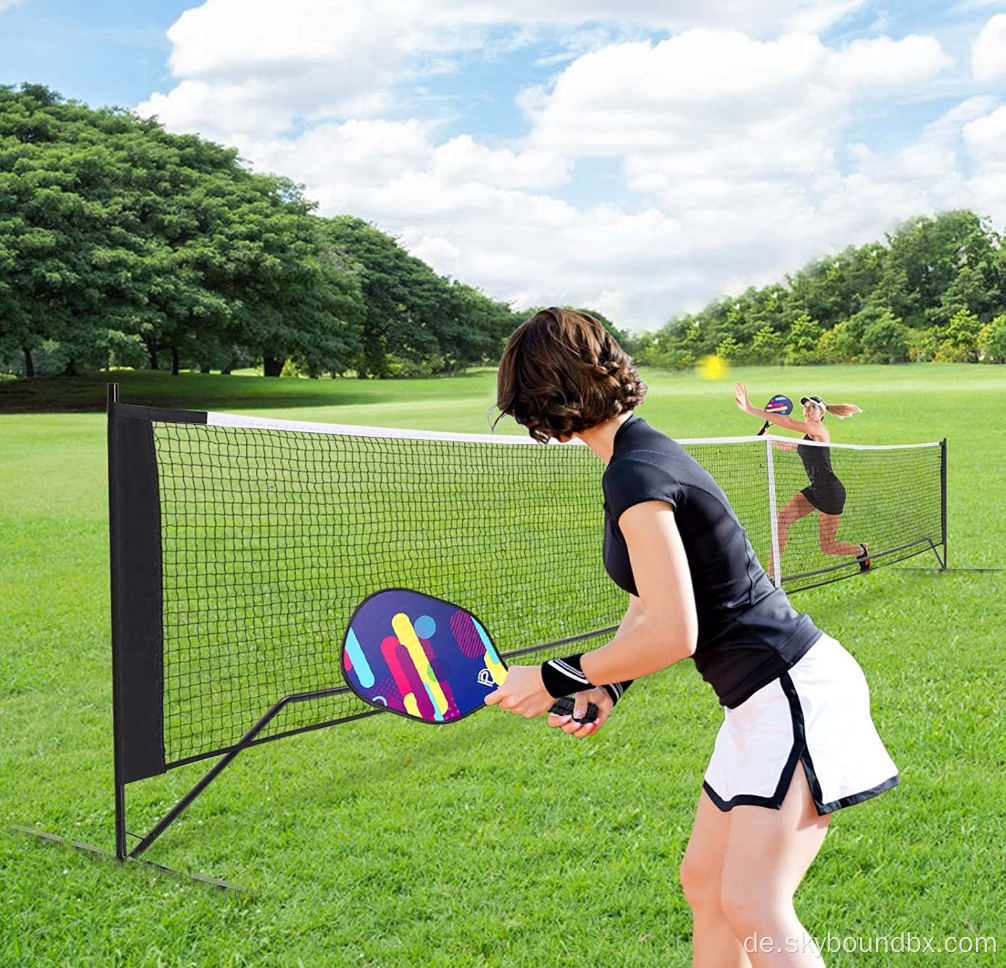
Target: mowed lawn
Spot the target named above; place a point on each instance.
(495, 841)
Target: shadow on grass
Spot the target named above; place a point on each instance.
(197, 391)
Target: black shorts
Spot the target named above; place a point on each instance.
(827, 496)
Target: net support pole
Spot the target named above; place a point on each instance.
(773, 522)
(176, 811)
(943, 499)
(113, 528)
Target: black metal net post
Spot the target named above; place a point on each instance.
(943, 499)
(114, 538)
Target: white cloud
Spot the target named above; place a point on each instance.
(931, 172)
(683, 95)
(712, 105)
(814, 17)
(463, 159)
(882, 62)
(985, 138)
(948, 124)
(988, 52)
(231, 38)
(730, 148)
(341, 162)
(253, 63)
(7, 4)
(534, 249)
(925, 160)
(377, 164)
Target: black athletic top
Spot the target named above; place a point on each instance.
(749, 634)
(817, 463)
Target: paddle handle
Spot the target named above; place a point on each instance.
(564, 707)
(768, 423)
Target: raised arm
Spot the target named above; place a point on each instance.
(799, 426)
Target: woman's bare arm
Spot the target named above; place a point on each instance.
(633, 615)
(800, 426)
(667, 629)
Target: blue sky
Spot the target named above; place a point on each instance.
(640, 156)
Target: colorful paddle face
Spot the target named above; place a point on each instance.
(426, 659)
(779, 404)
(420, 657)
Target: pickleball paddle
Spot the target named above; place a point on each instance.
(780, 405)
(424, 658)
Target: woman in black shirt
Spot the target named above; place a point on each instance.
(797, 741)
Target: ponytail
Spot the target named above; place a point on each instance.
(842, 410)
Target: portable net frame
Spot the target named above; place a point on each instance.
(241, 546)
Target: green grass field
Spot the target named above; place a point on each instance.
(496, 841)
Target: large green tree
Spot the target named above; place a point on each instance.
(120, 240)
(411, 313)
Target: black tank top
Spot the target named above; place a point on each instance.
(749, 634)
(816, 462)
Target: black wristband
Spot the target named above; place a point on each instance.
(617, 689)
(563, 677)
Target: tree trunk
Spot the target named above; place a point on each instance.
(226, 371)
(375, 357)
(71, 368)
(174, 361)
(29, 363)
(205, 368)
(272, 367)
(152, 350)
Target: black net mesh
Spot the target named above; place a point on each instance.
(271, 538)
(892, 503)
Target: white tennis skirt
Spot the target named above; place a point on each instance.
(817, 714)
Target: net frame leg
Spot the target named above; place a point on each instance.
(121, 848)
(99, 853)
(244, 743)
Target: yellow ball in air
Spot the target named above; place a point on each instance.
(713, 368)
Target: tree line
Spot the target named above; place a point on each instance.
(933, 289)
(124, 245)
(121, 244)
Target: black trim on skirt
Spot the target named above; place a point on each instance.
(799, 753)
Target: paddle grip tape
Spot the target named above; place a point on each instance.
(564, 707)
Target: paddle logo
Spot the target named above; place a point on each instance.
(485, 678)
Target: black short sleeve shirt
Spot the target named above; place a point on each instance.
(749, 634)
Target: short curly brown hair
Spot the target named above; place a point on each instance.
(563, 372)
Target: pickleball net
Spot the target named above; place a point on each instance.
(241, 547)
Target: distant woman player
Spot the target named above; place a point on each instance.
(826, 493)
